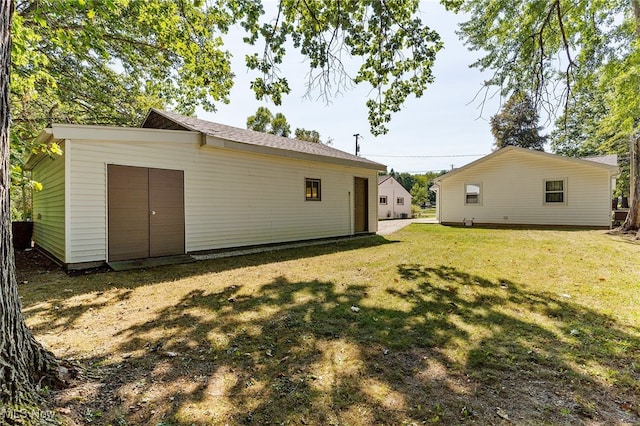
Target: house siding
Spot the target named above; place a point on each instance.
(513, 192)
(232, 198)
(392, 189)
(49, 205)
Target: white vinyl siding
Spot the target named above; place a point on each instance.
(397, 200)
(232, 198)
(513, 192)
(49, 205)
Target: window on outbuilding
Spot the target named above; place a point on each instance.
(383, 200)
(312, 189)
(472, 193)
(400, 201)
(554, 191)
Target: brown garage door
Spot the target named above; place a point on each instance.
(361, 204)
(146, 212)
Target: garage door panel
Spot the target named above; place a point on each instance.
(128, 210)
(128, 177)
(146, 212)
(166, 199)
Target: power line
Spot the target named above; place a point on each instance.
(426, 156)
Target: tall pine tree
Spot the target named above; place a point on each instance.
(517, 124)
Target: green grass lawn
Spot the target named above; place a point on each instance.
(429, 212)
(430, 325)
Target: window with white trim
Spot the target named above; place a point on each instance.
(383, 200)
(472, 193)
(400, 201)
(555, 191)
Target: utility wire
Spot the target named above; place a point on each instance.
(425, 156)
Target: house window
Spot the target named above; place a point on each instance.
(472, 194)
(383, 200)
(312, 189)
(554, 191)
(400, 201)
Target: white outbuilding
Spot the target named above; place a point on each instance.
(394, 201)
(179, 185)
(517, 186)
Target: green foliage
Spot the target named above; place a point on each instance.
(409, 181)
(405, 179)
(517, 124)
(418, 194)
(308, 135)
(577, 131)
(397, 50)
(279, 125)
(580, 58)
(108, 62)
(72, 60)
(521, 41)
(584, 130)
(264, 121)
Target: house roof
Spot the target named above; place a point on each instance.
(613, 168)
(383, 178)
(266, 142)
(611, 159)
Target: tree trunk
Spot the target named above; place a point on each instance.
(633, 218)
(24, 364)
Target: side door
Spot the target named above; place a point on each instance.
(361, 204)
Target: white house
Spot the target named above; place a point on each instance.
(517, 186)
(394, 201)
(181, 185)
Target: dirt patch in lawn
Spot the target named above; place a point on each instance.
(354, 333)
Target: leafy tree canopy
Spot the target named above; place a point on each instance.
(410, 181)
(418, 194)
(566, 54)
(308, 135)
(264, 121)
(517, 124)
(108, 61)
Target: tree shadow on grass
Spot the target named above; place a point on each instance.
(443, 346)
(39, 299)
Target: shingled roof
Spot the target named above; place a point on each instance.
(611, 159)
(157, 119)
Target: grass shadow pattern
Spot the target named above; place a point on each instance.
(435, 345)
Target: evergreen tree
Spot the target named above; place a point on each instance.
(517, 124)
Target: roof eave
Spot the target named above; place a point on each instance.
(613, 170)
(217, 142)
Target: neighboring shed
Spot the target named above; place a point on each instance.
(180, 185)
(394, 201)
(517, 186)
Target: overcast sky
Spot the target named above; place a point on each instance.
(443, 128)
